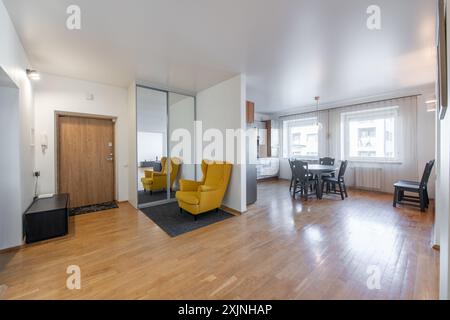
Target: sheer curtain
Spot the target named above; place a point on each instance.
(404, 166)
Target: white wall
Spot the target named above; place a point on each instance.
(14, 61)
(442, 197)
(55, 93)
(10, 199)
(223, 107)
(132, 145)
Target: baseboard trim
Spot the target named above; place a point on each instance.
(12, 249)
(232, 211)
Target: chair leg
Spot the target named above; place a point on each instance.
(394, 203)
(323, 186)
(427, 199)
(291, 186)
(345, 189)
(341, 191)
(422, 200)
(181, 210)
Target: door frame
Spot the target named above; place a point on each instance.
(58, 115)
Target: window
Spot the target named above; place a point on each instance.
(301, 138)
(275, 142)
(370, 134)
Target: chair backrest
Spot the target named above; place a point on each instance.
(163, 165)
(300, 170)
(342, 169)
(290, 163)
(327, 161)
(426, 174)
(175, 164)
(218, 175)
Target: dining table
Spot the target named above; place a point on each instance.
(319, 170)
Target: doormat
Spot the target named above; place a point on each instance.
(93, 208)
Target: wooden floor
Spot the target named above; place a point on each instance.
(280, 249)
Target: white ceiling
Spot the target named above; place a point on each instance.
(291, 50)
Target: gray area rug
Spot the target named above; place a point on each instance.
(174, 223)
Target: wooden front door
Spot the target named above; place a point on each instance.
(86, 160)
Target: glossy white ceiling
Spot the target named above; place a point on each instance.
(291, 50)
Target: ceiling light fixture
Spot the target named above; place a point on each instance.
(33, 75)
(318, 123)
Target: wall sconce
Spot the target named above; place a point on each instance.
(33, 75)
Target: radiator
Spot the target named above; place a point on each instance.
(368, 178)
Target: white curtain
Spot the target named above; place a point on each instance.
(403, 168)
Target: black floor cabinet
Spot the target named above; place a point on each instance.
(47, 219)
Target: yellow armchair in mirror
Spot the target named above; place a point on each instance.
(157, 180)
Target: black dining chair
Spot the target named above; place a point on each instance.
(292, 174)
(337, 181)
(327, 161)
(303, 180)
(421, 188)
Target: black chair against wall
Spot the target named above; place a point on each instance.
(421, 188)
(302, 180)
(339, 181)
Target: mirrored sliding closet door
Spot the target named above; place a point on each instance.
(165, 144)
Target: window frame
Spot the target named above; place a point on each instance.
(368, 115)
(294, 123)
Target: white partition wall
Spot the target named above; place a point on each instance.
(14, 61)
(442, 197)
(132, 146)
(222, 107)
(10, 209)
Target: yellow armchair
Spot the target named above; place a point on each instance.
(197, 197)
(155, 180)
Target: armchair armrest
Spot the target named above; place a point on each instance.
(189, 185)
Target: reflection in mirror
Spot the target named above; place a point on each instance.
(151, 145)
(181, 138)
